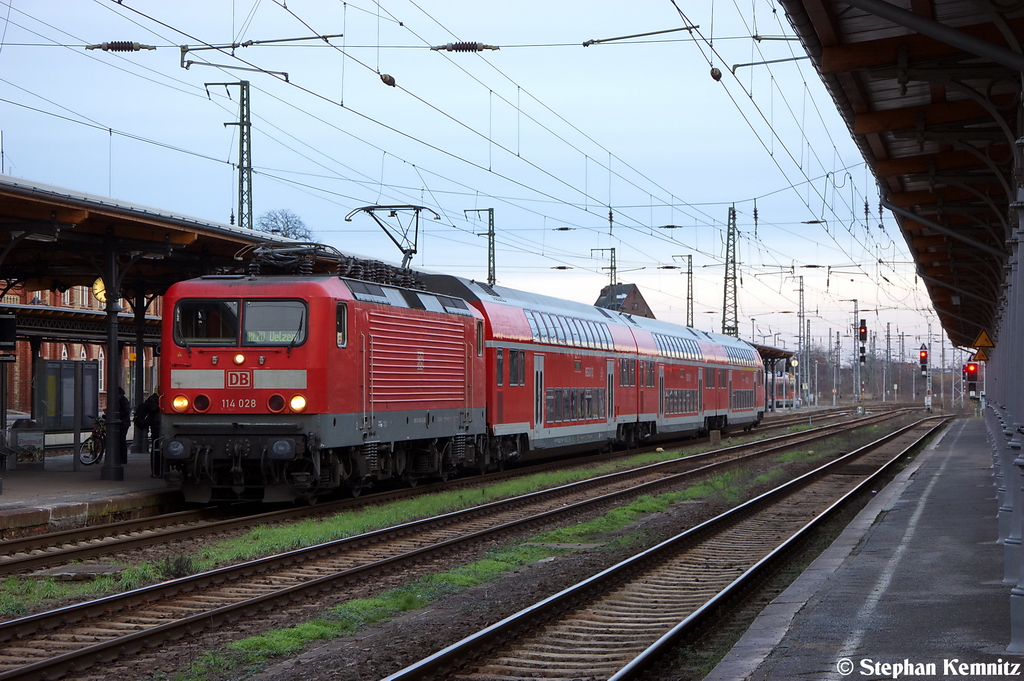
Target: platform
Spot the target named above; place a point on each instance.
(58, 497)
(914, 580)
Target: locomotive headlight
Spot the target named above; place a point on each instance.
(239, 358)
(179, 403)
(201, 402)
(298, 403)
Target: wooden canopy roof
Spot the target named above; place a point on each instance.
(930, 91)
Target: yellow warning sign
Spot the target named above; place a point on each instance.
(980, 355)
(983, 340)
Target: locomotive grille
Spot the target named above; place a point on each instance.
(459, 448)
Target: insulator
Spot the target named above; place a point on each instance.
(120, 46)
(464, 47)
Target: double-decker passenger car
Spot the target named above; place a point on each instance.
(563, 374)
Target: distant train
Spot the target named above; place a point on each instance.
(279, 388)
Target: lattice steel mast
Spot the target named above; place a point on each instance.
(730, 320)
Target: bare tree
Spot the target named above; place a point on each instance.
(284, 222)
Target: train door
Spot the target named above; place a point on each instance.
(661, 391)
(700, 391)
(538, 390)
(728, 396)
(610, 380)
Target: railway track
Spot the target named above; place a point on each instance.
(59, 548)
(48, 645)
(617, 624)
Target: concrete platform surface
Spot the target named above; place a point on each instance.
(911, 589)
(58, 497)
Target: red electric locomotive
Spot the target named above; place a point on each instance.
(282, 387)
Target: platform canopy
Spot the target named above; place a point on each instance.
(931, 92)
(57, 238)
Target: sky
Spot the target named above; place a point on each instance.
(552, 133)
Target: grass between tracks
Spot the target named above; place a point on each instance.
(20, 595)
(249, 655)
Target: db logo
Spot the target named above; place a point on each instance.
(239, 379)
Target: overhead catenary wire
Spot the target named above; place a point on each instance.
(559, 198)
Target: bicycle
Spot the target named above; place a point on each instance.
(95, 444)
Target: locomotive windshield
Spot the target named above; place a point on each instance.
(274, 322)
(206, 322)
(263, 322)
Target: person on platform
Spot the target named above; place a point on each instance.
(124, 410)
(152, 406)
(147, 416)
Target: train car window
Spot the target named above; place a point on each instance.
(363, 290)
(711, 378)
(454, 305)
(590, 403)
(558, 406)
(549, 401)
(722, 381)
(574, 407)
(551, 323)
(274, 322)
(430, 302)
(574, 332)
(561, 334)
(341, 325)
(531, 317)
(545, 325)
(479, 339)
(206, 322)
(632, 373)
(522, 367)
(581, 332)
(513, 367)
(412, 299)
(499, 369)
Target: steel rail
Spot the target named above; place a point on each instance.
(128, 535)
(649, 657)
(89, 656)
(454, 656)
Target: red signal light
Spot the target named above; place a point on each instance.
(972, 370)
